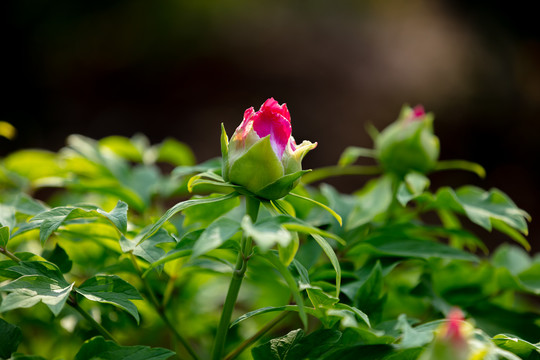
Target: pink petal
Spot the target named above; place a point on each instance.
(273, 106)
(418, 111)
(271, 121)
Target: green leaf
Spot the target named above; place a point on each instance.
(215, 235)
(282, 186)
(7, 216)
(332, 212)
(4, 236)
(99, 348)
(314, 345)
(182, 206)
(482, 207)
(369, 297)
(176, 153)
(374, 199)
(413, 186)
(59, 257)
(520, 347)
(352, 153)
(515, 259)
(411, 338)
(266, 234)
(461, 165)
(111, 289)
(289, 279)
(411, 248)
(277, 349)
(11, 336)
(28, 290)
(333, 259)
(117, 216)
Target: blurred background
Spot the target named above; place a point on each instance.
(177, 68)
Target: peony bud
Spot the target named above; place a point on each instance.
(409, 143)
(262, 155)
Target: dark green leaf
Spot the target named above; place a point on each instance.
(59, 257)
(278, 348)
(314, 345)
(111, 289)
(411, 338)
(10, 336)
(99, 348)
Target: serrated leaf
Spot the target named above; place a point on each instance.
(28, 290)
(111, 289)
(11, 336)
(99, 348)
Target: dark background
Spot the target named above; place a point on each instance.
(180, 68)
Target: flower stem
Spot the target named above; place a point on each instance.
(248, 342)
(71, 302)
(252, 209)
(160, 310)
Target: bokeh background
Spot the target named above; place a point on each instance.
(177, 68)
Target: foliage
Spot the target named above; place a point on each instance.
(106, 255)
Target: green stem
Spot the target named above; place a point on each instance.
(9, 254)
(252, 209)
(104, 332)
(332, 171)
(160, 310)
(71, 302)
(248, 342)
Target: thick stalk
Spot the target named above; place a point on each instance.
(71, 302)
(252, 209)
(160, 310)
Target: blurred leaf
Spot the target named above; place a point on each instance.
(111, 289)
(520, 347)
(33, 164)
(122, 146)
(314, 345)
(332, 212)
(99, 348)
(411, 338)
(374, 199)
(11, 336)
(413, 186)
(512, 258)
(176, 153)
(352, 153)
(4, 236)
(7, 216)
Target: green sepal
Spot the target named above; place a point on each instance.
(257, 167)
(224, 153)
(282, 186)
